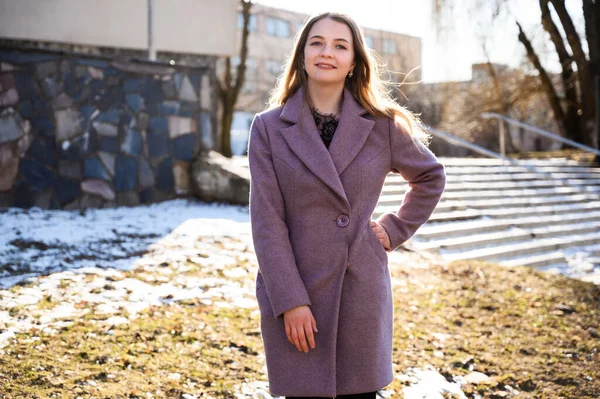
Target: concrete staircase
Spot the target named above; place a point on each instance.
(509, 214)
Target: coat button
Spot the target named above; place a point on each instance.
(343, 220)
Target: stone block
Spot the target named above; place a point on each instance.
(205, 92)
(187, 91)
(93, 169)
(159, 124)
(129, 198)
(181, 174)
(170, 107)
(184, 147)
(105, 129)
(51, 86)
(64, 101)
(99, 188)
(132, 143)
(145, 196)
(126, 169)
(9, 165)
(108, 160)
(164, 176)
(68, 123)
(35, 174)
(9, 127)
(135, 102)
(158, 143)
(46, 69)
(66, 190)
(179, 126)
(145, 174)
(217, 178)
(70, 170)
(92, 201)
(109, 144)
(44, 149)
(9, 97)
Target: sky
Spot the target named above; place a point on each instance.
(448, 57)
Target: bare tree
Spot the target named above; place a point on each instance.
(573, 104)
(230, 85)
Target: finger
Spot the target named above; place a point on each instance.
(302, 338)
(309, 334)
(288, 333)
(314, 323)
(295, 338)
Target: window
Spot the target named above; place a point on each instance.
(278, 27)
(389, 46)
(369, 42)
(274, 67)
(251, 70)
(251, 24)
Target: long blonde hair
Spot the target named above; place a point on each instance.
(366, 84)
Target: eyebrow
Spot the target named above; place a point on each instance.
(321, 37)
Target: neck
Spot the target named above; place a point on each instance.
(327, 99)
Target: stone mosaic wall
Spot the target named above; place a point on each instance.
(82, 132)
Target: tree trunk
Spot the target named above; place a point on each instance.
(571, 101)
(226, 121)
(228, 90)
(553, 99)
(586, 86)
(591, 15)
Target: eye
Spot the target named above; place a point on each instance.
(315, 43)
(341, 46)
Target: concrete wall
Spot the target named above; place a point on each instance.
(187, 26)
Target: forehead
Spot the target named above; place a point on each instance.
(330, 29)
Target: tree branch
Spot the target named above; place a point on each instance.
(545, 80)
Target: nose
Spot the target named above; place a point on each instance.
(326, 51)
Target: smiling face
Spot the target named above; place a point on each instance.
(329, 52)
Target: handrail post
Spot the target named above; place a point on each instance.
(502, 140)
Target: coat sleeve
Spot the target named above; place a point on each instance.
(426, 178)
(276, 260)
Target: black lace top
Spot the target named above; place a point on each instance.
(326, 123)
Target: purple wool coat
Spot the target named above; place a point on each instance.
(310, 209)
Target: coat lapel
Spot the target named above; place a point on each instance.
(305, 141)
(351, 133)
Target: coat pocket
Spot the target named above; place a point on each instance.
(377, 248)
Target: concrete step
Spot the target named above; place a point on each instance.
(432, 230)
(488, 194)
(541, 210)
(500, 253)
(446, 204)
(513, 234)
(551, 259)
(455, 161)
(504, 185)
(478, 170)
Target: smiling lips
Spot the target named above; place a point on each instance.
(325, 66)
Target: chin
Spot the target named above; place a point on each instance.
(327, 79)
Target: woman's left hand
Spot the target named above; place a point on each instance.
(381, 234)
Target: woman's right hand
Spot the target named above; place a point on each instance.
(299, 325)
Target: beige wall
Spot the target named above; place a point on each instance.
(188, 26)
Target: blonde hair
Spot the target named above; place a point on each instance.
(366, 83)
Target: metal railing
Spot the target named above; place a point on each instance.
(533, 129)
(484, 151)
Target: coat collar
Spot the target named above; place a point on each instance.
(305, 141)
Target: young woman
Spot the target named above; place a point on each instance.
(318, 160)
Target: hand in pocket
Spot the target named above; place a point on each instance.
(381, 234)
